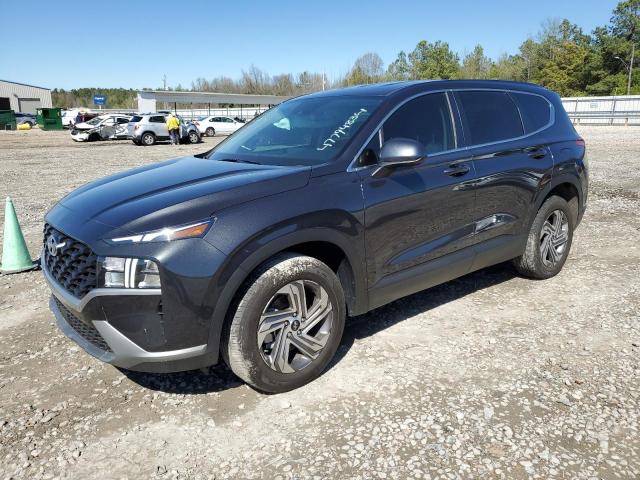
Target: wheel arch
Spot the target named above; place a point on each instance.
(326, 245)
(567, 187)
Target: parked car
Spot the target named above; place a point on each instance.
(104, 127)
(149, 128)
(23, 118)
(76, 115)
(327, 205)
(213, 125)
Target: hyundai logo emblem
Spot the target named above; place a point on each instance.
(53, 246)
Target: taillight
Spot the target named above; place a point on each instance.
(580, 142)
(196, 124)
(136, 127)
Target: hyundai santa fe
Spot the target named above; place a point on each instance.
(326, 206)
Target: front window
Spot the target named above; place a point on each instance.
(303, 131)
(426, 119)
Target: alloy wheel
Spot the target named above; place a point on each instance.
(554, 237)
(295, 326)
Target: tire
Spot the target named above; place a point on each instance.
(257, 304)
(549, 240)
(193, 137)
(210, 132)
(147, 139)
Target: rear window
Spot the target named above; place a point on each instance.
(158, 119)
(135, 119)
(535, 111)
(490, 116)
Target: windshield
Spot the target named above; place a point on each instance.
(96, 121)
(303, 131)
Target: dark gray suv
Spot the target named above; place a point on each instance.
(326, 206)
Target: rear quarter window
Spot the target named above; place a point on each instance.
(158, 119)
(534, 109)
(135, 119)
(490, 116)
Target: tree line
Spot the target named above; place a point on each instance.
(561, 57)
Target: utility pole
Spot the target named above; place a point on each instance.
(633, 52)
(164, 80)
(323, 80)
(629, 67)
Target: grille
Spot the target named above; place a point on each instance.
(74, 266)
(86, 331)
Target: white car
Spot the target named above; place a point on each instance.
(110, 126)
(212, 125)
(69, 116)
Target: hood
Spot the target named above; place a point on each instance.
(170, 193)
(85, 126)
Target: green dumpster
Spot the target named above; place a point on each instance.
(49, 118)
(7, 120)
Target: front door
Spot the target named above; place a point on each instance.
(419, 219)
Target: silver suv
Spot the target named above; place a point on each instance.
(149, 128)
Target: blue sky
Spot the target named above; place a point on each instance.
(133, 44)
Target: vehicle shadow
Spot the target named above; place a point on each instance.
(375, 321)
(219, 378)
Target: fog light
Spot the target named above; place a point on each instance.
(114, 279)
(119, 272)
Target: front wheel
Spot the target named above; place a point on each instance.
(549, 240)
(287, 325)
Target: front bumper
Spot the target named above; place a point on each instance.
(77, 318)
(80, 136)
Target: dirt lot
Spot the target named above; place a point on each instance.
(490, 376)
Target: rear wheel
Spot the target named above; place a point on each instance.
(549, 240)
(193, 137)
(148, 139)
(287, 324)
(210, 132)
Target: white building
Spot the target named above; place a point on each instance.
(20, 97)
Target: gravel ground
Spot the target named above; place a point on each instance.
(489, 376)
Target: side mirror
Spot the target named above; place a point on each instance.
(400, 151)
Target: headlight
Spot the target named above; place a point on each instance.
(168, 234)
(116, 272)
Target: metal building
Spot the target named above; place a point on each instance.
(147, 99)
(21, 97)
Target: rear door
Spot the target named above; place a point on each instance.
(158, 124)
(121, 127)
(512, 163)
(416, 216)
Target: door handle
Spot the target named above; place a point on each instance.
(456, 170)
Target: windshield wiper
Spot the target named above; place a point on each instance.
(237, 160)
